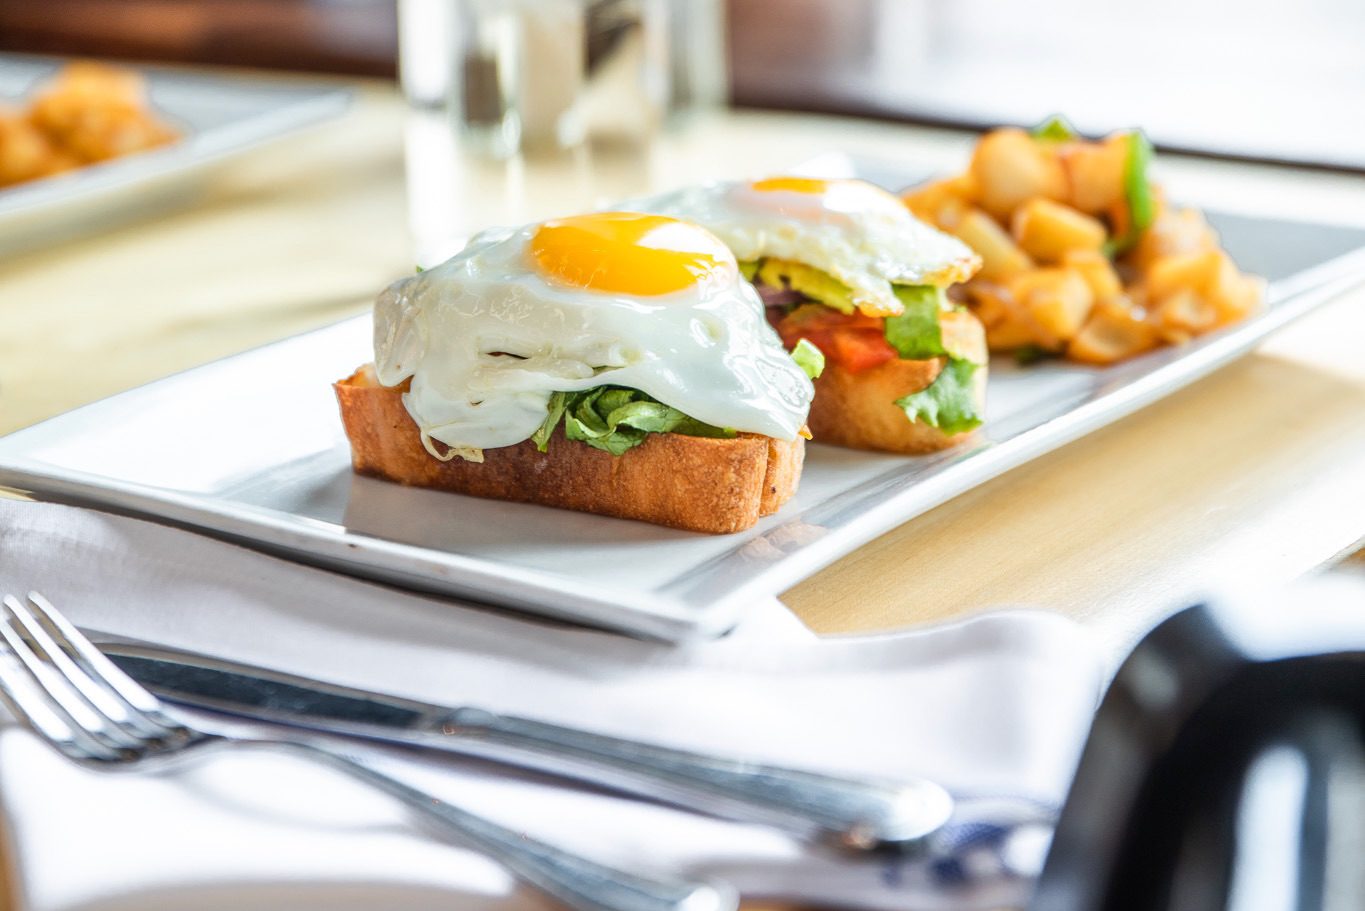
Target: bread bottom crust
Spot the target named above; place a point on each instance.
(709, 485)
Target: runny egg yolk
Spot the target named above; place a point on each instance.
(837, 195)
(629, 253)
(812, 185)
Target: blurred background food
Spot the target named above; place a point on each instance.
(88, 113)
(1260, 78)
(1081, 253)
(1077, 262)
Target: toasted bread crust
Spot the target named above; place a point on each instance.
(694, 483)
(858, 410)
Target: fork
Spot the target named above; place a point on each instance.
(64, 689)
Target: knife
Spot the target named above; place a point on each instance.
(853, 814)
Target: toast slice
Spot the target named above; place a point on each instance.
(701, 484)
(859, 410)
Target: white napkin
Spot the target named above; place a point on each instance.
(994, 707)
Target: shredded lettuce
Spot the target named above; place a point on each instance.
(1137, 190)
(553, 414)
(1055, 129)
(915, 334)
(949, 402)
(809, 358)
(615, 419)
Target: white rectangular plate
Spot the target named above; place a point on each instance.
(251, 448)
(218, 116)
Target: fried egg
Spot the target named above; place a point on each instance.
(611, 298)
(853, 231)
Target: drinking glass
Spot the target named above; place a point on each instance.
(524, 109)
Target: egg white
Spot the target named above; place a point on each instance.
(857, 233)
(486, 340)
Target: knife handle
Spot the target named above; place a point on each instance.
(851, 813)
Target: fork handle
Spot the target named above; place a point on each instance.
(577, 882)
(852, 813)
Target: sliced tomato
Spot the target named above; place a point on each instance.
(857, 350)
(853, 349)
(814, 317)
(853, 341)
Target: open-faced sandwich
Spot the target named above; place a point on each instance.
(613, 363)
(847, 267)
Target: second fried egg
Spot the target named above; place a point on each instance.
(851, 230)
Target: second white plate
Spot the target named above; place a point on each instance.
(218, 116)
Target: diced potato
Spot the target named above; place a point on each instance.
(25, 153)
(1197, 272)
(1137, 296)
(1114, 332)
(1010, 168)
(1010, 334)
(1236, 299)
(1057, 299)
(92, 79)
(1173, 232)
(97, 112)
(1007, 326)
(933, 201)
(951, 212)
(1097, 271)
(1094, 172)
(1047, 230)
(1213, 277)
(1183, 315)
(963, 335)
(1001, 257)
(986, 301)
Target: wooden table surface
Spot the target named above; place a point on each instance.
(1256, 474)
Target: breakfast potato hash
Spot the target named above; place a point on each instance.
(1082, 256)
(87, 113)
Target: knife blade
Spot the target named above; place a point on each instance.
(852, 813)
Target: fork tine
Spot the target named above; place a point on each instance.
(93, 691)
(140, 706)
(43, 699)
(31, 706)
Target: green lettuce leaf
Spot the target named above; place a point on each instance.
(809, 358)
(915, 334)
(1137, 190)
(748, 268)
(948, 403)
(616, 419)
(553, 414)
